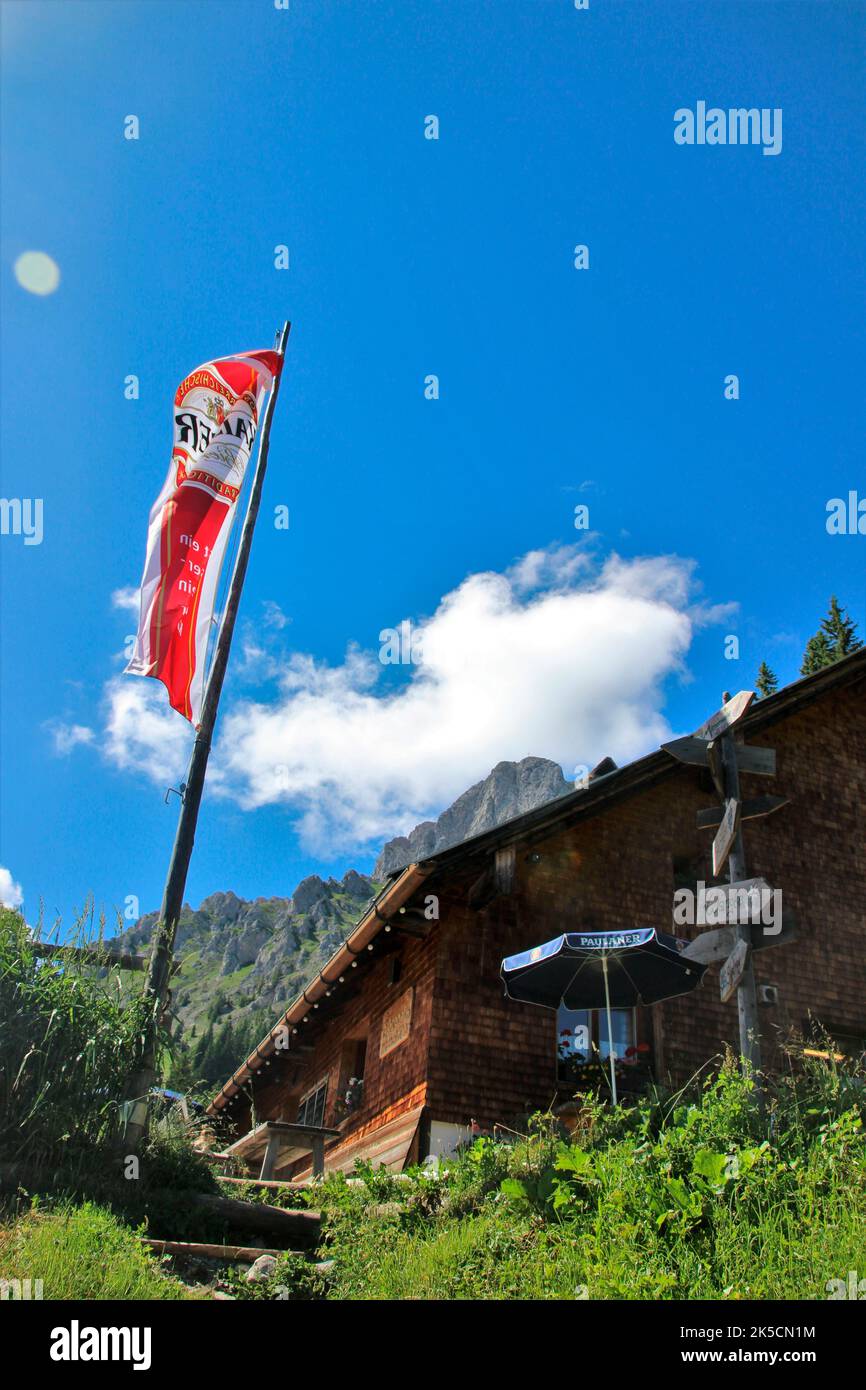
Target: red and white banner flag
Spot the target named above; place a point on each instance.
(216, 419)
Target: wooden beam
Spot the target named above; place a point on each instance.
(90, 955)
(269, 1161)
(271, 1183)
(233, 1254)
(318, 1156)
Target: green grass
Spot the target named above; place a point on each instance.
(83, 1252)
(494, 1256)
(708, 1197)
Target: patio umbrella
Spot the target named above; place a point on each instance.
(608, 969)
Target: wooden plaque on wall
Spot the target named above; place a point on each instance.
(396, 1023)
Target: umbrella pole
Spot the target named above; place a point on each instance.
(609, 1028)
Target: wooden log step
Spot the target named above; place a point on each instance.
(257, 1182)
(257, 1217)
(233, 1254)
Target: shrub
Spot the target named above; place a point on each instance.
(70, 1038)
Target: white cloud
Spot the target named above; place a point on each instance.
(555, 567)
(143, 733)
(68, 736)
(127, 599)
(10, 891)
(274, 615)
(561, 656)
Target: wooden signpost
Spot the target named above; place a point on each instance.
(733, 970)
(713, 947)
(727, 834)
(701, 752)
(725, 718)
(713, 746)
(753, 808)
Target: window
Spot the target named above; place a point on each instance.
(353, 1060)
(356, 1055)
(311, 1110)
(582, 1037)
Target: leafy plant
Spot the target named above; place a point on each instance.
(71, 1035)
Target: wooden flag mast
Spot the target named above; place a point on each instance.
(159, 970)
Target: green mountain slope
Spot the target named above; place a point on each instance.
(242, 962)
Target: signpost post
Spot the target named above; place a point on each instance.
(714, 746)
(739, 964)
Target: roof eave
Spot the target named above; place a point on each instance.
(376, 915)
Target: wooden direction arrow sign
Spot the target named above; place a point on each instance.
(688, 750)
(751, 809)
(760, 762)
(742, 885)
(727, 716)
(726, 835)
(741, 901)
(714, 946)
(711, 946)
(763, 937)
(698, 751)
(732, 970)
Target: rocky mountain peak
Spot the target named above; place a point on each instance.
(508, 791)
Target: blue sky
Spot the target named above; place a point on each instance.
(410, 257)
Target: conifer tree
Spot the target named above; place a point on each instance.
(767, 681)
(840, 630)
(835, 638)
(816, 655)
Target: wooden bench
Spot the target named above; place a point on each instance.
(276, 1140)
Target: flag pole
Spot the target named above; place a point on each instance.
(159, 969)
